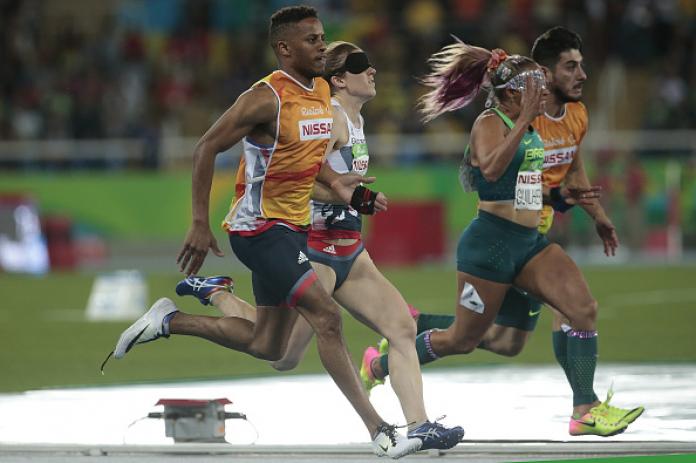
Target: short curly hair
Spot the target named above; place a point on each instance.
(282, 19)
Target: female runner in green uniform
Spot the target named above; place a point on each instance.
(502, 246)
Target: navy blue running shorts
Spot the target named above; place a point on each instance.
(280, 268)
(339, 258)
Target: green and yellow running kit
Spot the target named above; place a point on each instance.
(494, 248)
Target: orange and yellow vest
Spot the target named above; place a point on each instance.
(562, 137)
(274, 183)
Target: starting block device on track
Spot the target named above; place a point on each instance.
(187, 420)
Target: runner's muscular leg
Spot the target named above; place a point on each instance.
(554, 277)
(374, 300)
(558, 320)
(323, 314)
(231, 332)
(302, 332)
(469, 326)
(233, 306)
(271, 331)
(504, 340)
(371, 298)
(570, 294)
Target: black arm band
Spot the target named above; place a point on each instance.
(363, 200)
(558, 201)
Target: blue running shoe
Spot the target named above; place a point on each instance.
(202, 287)
(434, 435)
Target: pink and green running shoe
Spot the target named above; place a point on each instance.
(366, 374)
(595, 423)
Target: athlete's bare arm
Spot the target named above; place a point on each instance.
(339, 133)
(324, 194)
(254, 113)
(491, 149)
(604, 226)
(338, 188)
(339, 137)
(575, 195)
(341, 184)
(577, 178)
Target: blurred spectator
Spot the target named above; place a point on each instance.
(668, 107)
(141, 68)
(635, 184)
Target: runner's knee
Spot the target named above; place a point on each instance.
(588, 311)
(461, 344)
(269, 351)
(503, 340)
(505, 347)
(400, 331)
(584, 316)
(285, 364)
(327, 323)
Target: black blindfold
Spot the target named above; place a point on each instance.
(356, 63)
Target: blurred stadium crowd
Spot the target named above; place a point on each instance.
(156, 68)
(113, 84)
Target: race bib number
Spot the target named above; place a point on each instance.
(528, 191)
(361, 158)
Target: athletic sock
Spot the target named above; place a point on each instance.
(581, 364)
(415, 425)
(428, 321)
(384, 364)
(559, 340)
(423, 349)
(165, 323)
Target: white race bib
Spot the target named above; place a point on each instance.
(528, 191)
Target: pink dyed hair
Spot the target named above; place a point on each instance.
(458, 72)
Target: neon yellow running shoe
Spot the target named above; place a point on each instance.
(383, 346)
(368, 377)
(594, 423)
(616, 414)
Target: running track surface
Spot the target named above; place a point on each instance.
(510, 413)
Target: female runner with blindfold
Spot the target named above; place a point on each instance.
(338, 256)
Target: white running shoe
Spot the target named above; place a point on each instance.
(147, 328)
(391, 444)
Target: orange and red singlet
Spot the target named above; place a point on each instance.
(562, 137)
(274, 183)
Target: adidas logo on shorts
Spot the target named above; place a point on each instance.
(302, 258)
(330, 249)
